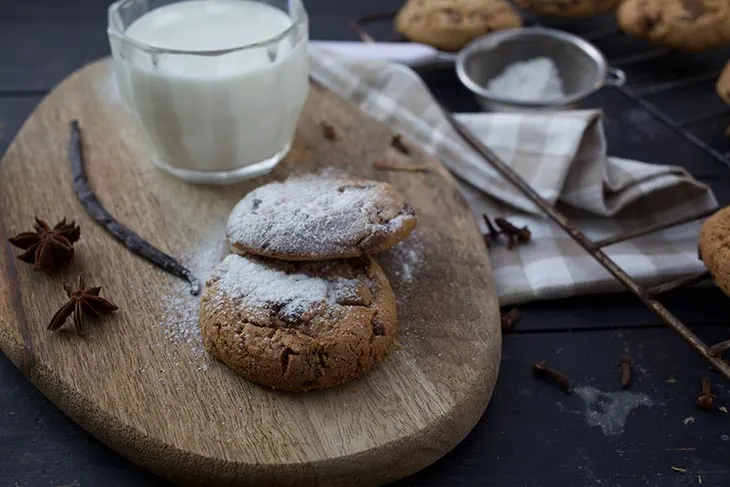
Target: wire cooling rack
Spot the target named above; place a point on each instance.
(640, 61)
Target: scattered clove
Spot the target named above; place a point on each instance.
(510, 319)
(541, 371)
(396, 142)
(328, 130)
(515, 235)
(625, 366)
(706, 399)
(493, 232)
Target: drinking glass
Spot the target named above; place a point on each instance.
(212, 115)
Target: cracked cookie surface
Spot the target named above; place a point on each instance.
(451, 24)
(684, 25)
(316, 218)
(298, 326)
(714, 248)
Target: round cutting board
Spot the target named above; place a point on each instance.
(140, 381)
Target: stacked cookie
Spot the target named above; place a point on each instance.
(301, 304)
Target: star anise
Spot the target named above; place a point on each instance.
(47, 248)
(81, 302)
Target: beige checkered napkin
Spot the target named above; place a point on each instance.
(563, 156)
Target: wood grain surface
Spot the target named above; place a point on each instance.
(151, 395)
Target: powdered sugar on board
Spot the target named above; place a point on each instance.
(180, 309)
(403, 265)
(404, 260)
(317, 217)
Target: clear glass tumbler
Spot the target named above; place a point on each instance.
(216, 86)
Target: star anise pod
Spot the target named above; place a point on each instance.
(47, 248)
(81, 302)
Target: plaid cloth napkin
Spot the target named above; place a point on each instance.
(563, 156)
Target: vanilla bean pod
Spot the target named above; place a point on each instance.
(123, 234)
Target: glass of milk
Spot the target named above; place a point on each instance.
(217, 86)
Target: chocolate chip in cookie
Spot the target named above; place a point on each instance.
(451, 24)
(317, 218)
(298, 326)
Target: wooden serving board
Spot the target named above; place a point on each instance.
(139, 381)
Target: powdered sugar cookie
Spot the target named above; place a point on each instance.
(318, 218)
(298, 325)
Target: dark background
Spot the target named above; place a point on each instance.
(532, 434)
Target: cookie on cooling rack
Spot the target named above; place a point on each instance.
(572, 9)
(723, 84)
(317, 218)
(449, 25)
(714, 247)
(695, 25)
(298, 326)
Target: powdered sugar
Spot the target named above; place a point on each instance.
(252, 282)
(180, 309)
(405, 259)
(610, 410)
(255, 284)
(318, 217)
(535, 80)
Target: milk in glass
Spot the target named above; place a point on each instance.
(216, 85)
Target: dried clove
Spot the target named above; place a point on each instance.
(625, 366)
(510, 319)
(328, 130)
(541, 371)
(493, 232)
(396, 142)
(515, 235)
(706, 399)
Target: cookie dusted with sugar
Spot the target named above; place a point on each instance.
(316, 218)
(451, 24)
(714, 248)
(298, 326)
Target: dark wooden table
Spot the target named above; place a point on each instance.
(532, 434)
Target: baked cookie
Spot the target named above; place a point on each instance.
(298, 326)
(317, 218)
(451, 24)
(714, 247)
(684, 25)
(573, 9)
(723, 84)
